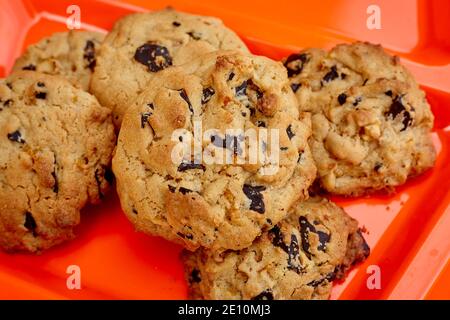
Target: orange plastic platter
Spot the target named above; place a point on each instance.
(408, 231)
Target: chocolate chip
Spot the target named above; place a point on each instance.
(284, 148)
(265, 295)
(365, 82)
(184, 166)
(241, 89)
(342, 98)
(172, 188)
(176, 24)
(289, 132)
(378, 166)
(357, 101)
(55, 178)
(295, 63)
(388, 93)
(185, 236)
(343, 76)
(41, 85)
(7, 103)
(144, 118)
(30, 223)
(231, 76)
(184, 190)
(41, 95)
(195, 276)
(89, 55)
(185, 97)
(230, 142)
(151, 106)
(134, 211)
(331, 75)
(397, 108)
(295, 86)
(155, 57)
(257, 199)
(207, 94)
(244, 114)
(305, 229)
(30, 67)
(260, 124)
(329, 277)
(16, 136)
(194, 35)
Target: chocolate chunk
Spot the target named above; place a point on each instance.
(144, 118)
(185, 97)
(342, 98)
(55, 178)
(155, 57)
(329, 277)
(295, 86)
(305, 229)
(30, 67)
(151, 106)
(388, 93)
(378, 166)
(184, 166)
(241, 89)
(16, 136)
(207, 94)
(397, 108)
(41, 85)
(172, 188)
(7, 103)
(284, 148)
(176, 24)
(30, 223)
(230, 142)
(41, 95)
(244, 114)
(331, 75)
(195, 276)
(357, 101)
(194, 35)
(289, 132)
(231, 76)
(365, 82)
(260, 124)
(343, 76)
(134, 211)
(184, 190)
(89, 55)
(185, 236)
(257, 199)
(295, 63)
(292, 250)
(265, 295)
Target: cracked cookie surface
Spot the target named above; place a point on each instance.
(298, 258)
(140, 45)
(371, 121)
(56, 144)
(69, 54)
(213, 204)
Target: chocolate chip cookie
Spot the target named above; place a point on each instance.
(226, 189)
(298, 258)
(140, 45)
(69, 54)
(371, 121)
(56, 143)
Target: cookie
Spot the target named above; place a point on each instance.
(371, 121)
(140, 45)
(225, 199)
(299, 258)
(69, 54)
(56, 143)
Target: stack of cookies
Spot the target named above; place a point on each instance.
(187, 99)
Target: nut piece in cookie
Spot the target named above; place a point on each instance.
(71, 55)
(143, 44)
(223, 199)
(56, 145)
(299, 258)
(371, 121)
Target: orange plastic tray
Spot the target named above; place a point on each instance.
(408, 231)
